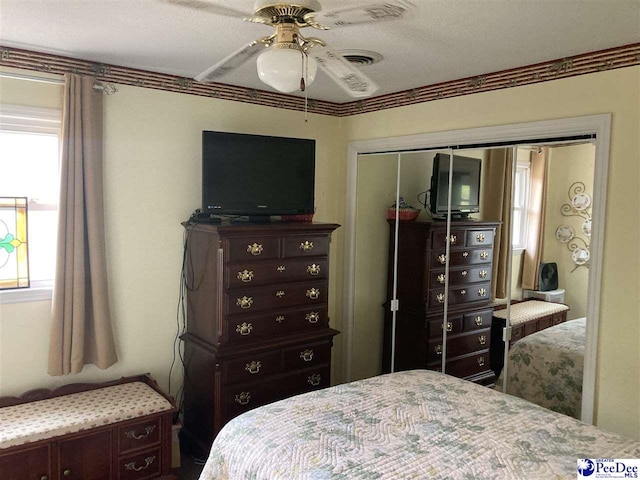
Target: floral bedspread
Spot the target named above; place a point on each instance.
(408, 425)
(546, 368)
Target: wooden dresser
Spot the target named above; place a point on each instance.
(420, 291)
(257, 320)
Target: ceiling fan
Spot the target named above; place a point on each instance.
(287, 61)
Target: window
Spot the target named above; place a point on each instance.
(30, 166)
(521, 205)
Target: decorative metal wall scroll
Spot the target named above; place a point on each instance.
(577, 242)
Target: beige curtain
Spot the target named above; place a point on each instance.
(537, 202)
(81, 324)
(496, 206)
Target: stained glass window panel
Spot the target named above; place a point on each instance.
(14, 255)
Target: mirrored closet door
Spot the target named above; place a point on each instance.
(437, 282)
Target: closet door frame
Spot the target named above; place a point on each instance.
(507, 136)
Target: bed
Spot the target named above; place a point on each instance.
(546, 368)
(408, 425)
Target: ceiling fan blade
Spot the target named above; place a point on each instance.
(234, 60)
(352, 81)
(210, 7)
(373, 12)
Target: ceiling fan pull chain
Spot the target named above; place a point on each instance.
(305, 66)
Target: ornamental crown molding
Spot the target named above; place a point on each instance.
(613, 58)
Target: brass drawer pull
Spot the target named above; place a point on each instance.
(44, 477)
(281, 268)
(313, 269)
(465, 254)
(313, 293)
(438, 349)
(280, 318)
(481, 361)
(307, 355)
(314, 380)
(440, 297)
(312, 317)
(244, 329)
(306, 246)
(244, 302)
(483, 274)
(147, 462)
(484, 255)
(442, 258)
(441, 278)
(280, 293)
(253, 367)
(255, 249)
(449, 327)
(480, 237)
(464, 273)
(463, 292)
(147, 431)
(478, 320)
(482, 339)
(67, 472)
(482, 292)
(453, 239)
(245, 276)
(243, 398)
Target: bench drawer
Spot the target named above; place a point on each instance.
(138, 435)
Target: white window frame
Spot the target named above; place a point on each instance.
(19, 118)
(523, 167)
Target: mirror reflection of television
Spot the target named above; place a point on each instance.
(256, 175)
(465, 190)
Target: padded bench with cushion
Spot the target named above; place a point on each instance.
(527, 317)
(117, 430)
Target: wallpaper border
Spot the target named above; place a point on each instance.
(618, 57)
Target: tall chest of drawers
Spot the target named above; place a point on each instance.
(257, 320)
(421, 296)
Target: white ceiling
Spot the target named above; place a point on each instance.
(440, 40)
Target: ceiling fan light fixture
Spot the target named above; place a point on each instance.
(282, 68)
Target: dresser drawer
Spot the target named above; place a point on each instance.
(305, 245)
(251, 368)
(477, 238)
(462, 257)
(274, 297)
(459, 345)
(454, 325)
(466, 366)
(439, 238)
(460, 276)
(241, 398)
(243, 328)
(460, 295)
(258, 247)
(141, 465)
(478, 319)
(306, 381)
(249, 273)
(138, 435)
(304, 356)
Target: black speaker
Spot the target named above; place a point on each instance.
(548, 277)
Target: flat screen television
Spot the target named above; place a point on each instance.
(257, 176)
(465, 190)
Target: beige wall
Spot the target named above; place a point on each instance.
(616, 92)
(152, 162)
(567, 165)
(152, 184)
